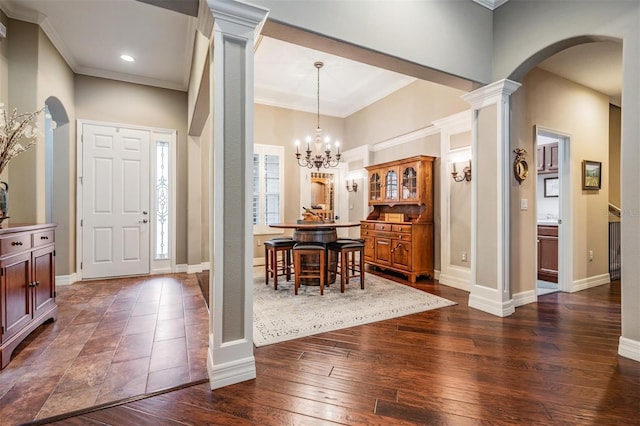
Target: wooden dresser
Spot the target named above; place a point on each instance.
(398, 233)
(27, 283)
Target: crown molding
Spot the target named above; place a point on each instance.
(491, 4)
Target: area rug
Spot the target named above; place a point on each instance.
(279, 315)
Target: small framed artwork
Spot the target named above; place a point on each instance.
(551, 187)
(591, 174)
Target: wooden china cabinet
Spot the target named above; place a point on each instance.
(27, 283)
(398, 233)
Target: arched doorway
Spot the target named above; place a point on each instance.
(59, 175)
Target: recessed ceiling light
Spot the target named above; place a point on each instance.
(127, 58)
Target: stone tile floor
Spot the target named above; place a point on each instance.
(113, 339)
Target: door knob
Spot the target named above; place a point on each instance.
(144, 221)
(145, 213)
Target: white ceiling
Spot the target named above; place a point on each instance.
(91, 35)
(285, 76)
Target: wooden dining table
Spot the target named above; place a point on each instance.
(322, 232)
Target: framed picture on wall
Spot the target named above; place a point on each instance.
(591, 174)
(551, 187)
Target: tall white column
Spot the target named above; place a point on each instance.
(230, 359)
(490, 291)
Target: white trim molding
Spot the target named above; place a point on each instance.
(589, 282)
(230, 355)
(524, 298)
(629, 348)
(407, 137)
(493, 297)
(491, 4)
(66, 279)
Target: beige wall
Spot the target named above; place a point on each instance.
(25, 172)
(413, 107)
(460, 212)
(125, 103)
(560, 105)
(56, 80)
(4, 65)
(279, 126)
(614, 154)
(37, 73)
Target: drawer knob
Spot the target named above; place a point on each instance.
(16, 243)
(44, 237)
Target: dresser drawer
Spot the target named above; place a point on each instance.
(401, 228)
(403, 237)
(366, 225)
(15, 244)
(383, 227)
(43, 238)
(367, 232)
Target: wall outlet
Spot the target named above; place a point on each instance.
(259, 243)
(590, 255)
(463, 256)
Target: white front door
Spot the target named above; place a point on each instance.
(115, 201)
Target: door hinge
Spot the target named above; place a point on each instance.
(80, 265)
(81, 223)
(54, 252)
(55, 294)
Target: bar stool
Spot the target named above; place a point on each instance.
(303, 270)
(347, 249)
(274, 267)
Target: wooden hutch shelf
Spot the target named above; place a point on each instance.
(398, 233)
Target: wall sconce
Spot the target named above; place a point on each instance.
(466, 173)
(353, 187)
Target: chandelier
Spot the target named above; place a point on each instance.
(320, 158)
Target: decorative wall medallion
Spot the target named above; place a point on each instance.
(520, 167)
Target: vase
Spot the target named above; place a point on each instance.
(4, 201)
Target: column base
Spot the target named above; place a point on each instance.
(230, 373)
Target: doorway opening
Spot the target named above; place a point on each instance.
(552, 209)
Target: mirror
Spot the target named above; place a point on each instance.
(322, 188)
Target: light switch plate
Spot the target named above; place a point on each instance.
(524, 204)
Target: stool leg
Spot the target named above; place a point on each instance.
(275, 269)
(344, 271)
(323, 268)
(361, 269)
(266, 265)
(296, 266)
(288, 264)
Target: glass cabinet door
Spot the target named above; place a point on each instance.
(391, 184)
(374, 187)
(409, 188)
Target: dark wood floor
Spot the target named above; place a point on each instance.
(554, 362)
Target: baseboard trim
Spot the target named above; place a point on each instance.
(456, 277)
(590, 282)
(524, 298)
(493, 307)
(629, 348)
(66, 279)
(230, 373)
